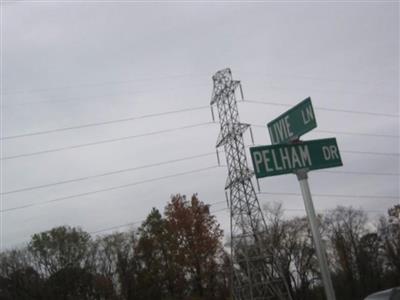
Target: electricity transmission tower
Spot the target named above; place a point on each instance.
(254, 273)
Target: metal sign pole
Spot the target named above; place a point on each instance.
(323, 262)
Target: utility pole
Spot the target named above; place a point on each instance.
(255, 275)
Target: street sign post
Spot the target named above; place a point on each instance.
(319, 248)
(299, 158)
(289, 155)
(281, 159)
(293, 123)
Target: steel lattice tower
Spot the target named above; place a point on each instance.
(254, 276)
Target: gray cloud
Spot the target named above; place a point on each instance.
(126, 60)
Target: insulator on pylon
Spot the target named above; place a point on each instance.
(227, 200)
(219, 162)
(241, 91)
(212, 114)
(251, 135)
(258, 185)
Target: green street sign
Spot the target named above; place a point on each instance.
(281, 159)
(293, 123)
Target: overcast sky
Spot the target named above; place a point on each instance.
(71, 64)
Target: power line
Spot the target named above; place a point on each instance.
(328, 210)
(159, 164)
(361, 173)
(329, 91)
(164, 163)
(117, 187)
(371, 153)
(333, 195)
(225, 209)
(88, 85)
(327, 109)
(357, 172)
(356, 112)
(105, 141)
(214, 212)
(354, 152)
(152, 78)
(162, 114)
(106, 174)
(303, 209)
(155, 133)
(97, 97)
(344, 132)
(104, 122)
(143, 219)
(359, 133)
(356, 81)
(116, 227)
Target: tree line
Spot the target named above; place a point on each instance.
(179, 254)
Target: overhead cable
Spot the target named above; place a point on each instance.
(119, 171)
(352, 151)
(186, 173)
(345, 132)
(95, 124)
(106, 174)
(95, 84)
(371, 152)
(220, 210)
(117, 187)
(172, 76)
(155, 133)
(360, 173)
(327, 109)
(169, 162)
(104, 122)
(143, 219)
(105, 141)
(332, 195)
